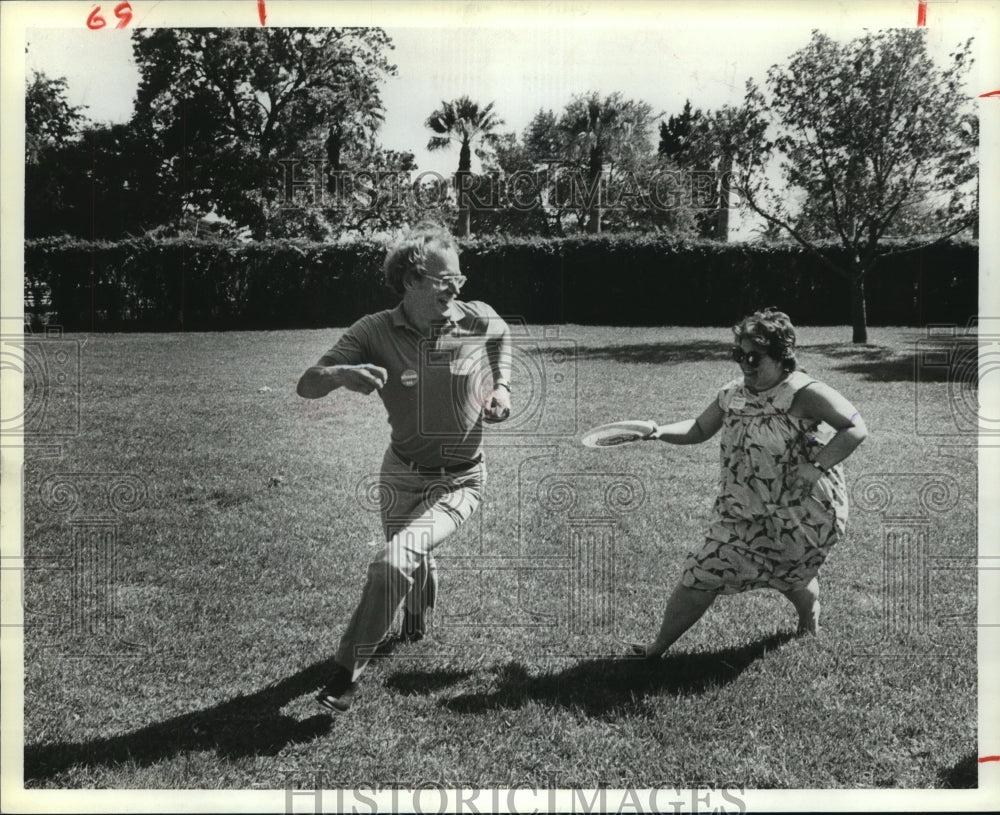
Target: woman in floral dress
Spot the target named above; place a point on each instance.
(782, 503)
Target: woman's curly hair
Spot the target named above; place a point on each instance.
(408, 256)
(772, 331)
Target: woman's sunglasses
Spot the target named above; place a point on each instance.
(752, 358)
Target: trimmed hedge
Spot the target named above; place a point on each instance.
(186, 284)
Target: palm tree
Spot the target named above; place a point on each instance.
(472, 127)
(601, 129)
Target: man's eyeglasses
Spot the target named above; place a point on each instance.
(753, 358)
(445, 282)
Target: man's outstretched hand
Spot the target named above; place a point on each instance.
(363, 378)
(496, 408)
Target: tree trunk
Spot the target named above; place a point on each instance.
(594, 172)
(462, 180)
(859, 310)
(725, 175)
(464, 214)
(334, 144)
(594, 220)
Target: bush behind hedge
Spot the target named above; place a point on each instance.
(189, 284)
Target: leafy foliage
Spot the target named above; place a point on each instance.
(686, 139)
(275, 131)
(49, 120)
(509, 197)
(100, 185)
(601, 170)
(221, 105)
(593, 132)
(52, 130)
(472, 128)
(869, 132)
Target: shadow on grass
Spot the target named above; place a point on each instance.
(412, 682)
(963, 775)
(931, 362)
(603, 687)
(658, 352)
(244, 726)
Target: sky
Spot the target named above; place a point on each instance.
(521, 71)
(662, 53)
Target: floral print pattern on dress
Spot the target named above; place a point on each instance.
(761, 534)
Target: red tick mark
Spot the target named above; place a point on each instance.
(984, 759)
(262, 12)
(921, 14)
(991, 93)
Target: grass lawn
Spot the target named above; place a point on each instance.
(233, 579)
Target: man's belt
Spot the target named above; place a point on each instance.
(450, 469)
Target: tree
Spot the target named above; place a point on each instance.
(724, 130)
(49, 119)
(867, 130)
(223, 105)
(679, 134)
(463, 122)
(686, 139)
(703, 143)
(599, 157)
(51, 130)
(545, 146)
(597, 131)
(598, 162)
(513, 191)
(99, 185)
(379, 197)
(83, 179)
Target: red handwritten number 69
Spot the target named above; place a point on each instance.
(123, 11)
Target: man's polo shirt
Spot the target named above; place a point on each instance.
(436, 385)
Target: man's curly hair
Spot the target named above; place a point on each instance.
(408, 256)
(771, 331)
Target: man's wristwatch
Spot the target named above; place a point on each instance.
(819, 467)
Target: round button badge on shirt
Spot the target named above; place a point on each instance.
(408, 378)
